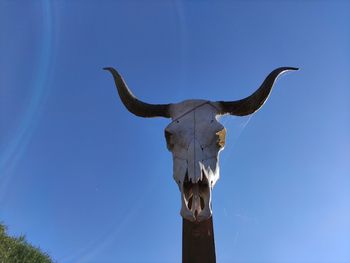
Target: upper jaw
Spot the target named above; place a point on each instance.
(196, 187)
(196, 200)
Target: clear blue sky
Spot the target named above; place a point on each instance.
(88, 182)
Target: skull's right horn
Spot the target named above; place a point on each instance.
(254, 102)
(134, 105)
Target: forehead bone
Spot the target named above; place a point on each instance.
(194, 115)
(180, 109)
(194, 122)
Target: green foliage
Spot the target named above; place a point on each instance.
(17, 250)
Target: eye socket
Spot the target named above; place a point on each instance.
(221, 138)
(169, 143)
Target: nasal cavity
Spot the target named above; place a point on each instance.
(202, 203)
(189, 205)
(190, 202)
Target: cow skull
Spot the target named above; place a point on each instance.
(195, 138)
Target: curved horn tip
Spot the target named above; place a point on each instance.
(288, 68)
(113, 71)
(108, 68)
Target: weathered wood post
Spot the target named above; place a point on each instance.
(195, 138)
(198, 244)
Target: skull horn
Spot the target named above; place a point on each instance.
(134, 105)
(254, 102)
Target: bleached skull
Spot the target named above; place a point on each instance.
(195, 139)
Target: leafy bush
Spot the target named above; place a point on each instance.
(17, 250)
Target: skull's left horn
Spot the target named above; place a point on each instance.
(254, 102)
(134, 105)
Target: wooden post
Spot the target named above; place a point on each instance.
(198, 242)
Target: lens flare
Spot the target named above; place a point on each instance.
(20, 138)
